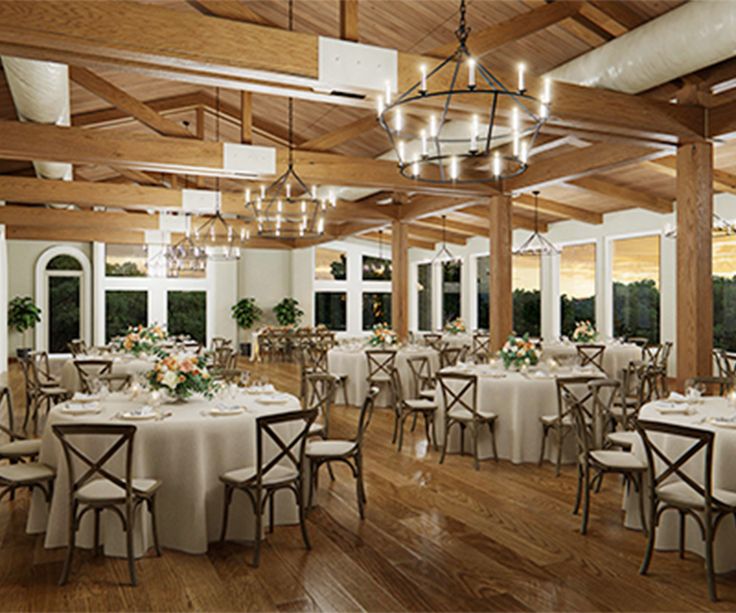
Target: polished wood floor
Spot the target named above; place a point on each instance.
(443, 538)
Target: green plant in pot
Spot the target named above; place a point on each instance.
(23, 315)
(246, 313)
(288, 312)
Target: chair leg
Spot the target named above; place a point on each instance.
(709, 559)
(545, 429)
(71, 543)
(558, 469)
(492, 428)
(474, 433)
(586, 499)
(97, 532)
(359, 486)
(299, 491)
(578, 491)
(151, 503)
(400, 426)
(444, 443)
(270, 511)
(650, 541)
(129, 546)
(462, 438)
(329, 472)
(258, 508)
(345, 392)
(681, 544)
(225, 511)
(426, 429)
(639, 485)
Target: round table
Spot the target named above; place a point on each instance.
(352, 361)
(519, 400)
(724, 477)
(121, 365)
(188, 452)
(615, 358)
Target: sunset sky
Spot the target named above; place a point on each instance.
(636, 259)
(724, 256)
(526, 272)
(577, 271)
(322, 260)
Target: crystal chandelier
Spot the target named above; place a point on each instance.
(537, 244)
(288, 208)
(720, 228)
(478, 129)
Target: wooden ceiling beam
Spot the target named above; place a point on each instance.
(434, 234)
(230, 9)
(623, 12)
(270, 60)
(349, 20)
(385, 238)
(460, 227)
(137, 176)
(345, 133)
(722, 181)
(558, 209)
(481, 212)
(127, 103)
(605, 187)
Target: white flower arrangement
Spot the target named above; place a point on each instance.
(456, 326)
(519, 351)
(585, 332)
(382, 336)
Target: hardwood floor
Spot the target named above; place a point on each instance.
(435, 538)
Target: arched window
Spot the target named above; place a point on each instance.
(63, 293)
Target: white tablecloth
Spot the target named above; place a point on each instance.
(354, 364)
(457, 340)
(121, 365)
(519, 401)
(188, 452)
(616, 357)
(724, 477)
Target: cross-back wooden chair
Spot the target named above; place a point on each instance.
(314, 360)
(450, 356)
(224, 357)
(346, 451)
(433, 340)
(422, 378)
(591, 354)
(77, 347)
(45, 391)
(320, 392)
(594, 461)
(282, 471)
(479, 348)
(91, 371)
(729, 363)
(674, 487)
(460, 398)
(639, 341)
(562, 423)
(719, 361)
(218, 342)
(657, 356)
(100, 489)
(405, 408)
(712, 386)
(18, 448)
(638, 386)
(381, 363)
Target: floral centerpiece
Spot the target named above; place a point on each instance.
(519, 351)
(456, 326)
(182, 375)
(382, 335)
(584, 332)
(141, 339)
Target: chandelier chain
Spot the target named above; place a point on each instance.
(462, 31)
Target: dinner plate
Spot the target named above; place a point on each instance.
(720, 423)
(273, 399)
(138, 416)
(81, 410)
(223, 413)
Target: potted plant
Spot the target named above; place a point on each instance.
(23, 315)
(288, 312)
(246, 313)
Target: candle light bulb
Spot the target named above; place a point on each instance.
(247, 234)
(423, 136)
(433, 126)
(259, 203)
(333, 199)
(453, 168)
(523, 153)
(242, 234)
(547, 90)
(398, 121)
(279, 205)
(496, 164)
(314, 192)
(263, 191)
(304, 206)
(304, 221)
(379, 106)
(402, 148)
(543, 110)
(301, 230)
(423, 69)
(522, 85)
(288, 191)
(324, 204)
(212, 232)
(229, 233)
(247, 195)
(471, 73)
(415, 169)
(388, 93)
(474, 134)
(321, 225)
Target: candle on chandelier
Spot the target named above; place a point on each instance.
(415, 169)
(496, 164)
(324, 204)
(453, 168)
(379, 105)
(471, 73)
(402, 150)
(247, 234)
(423, 68)
(474, 135)
(230, 233)
(314, 192)
(522, 84)
(524, 153)
(263, 191)
(258, 204)
(288, 191)
(279, 205)
(388, 93)
(333, 199)
(278, 221)
(547, 90)
(543, 110)
(212, 232)
(304, 205)
(321, 225)
(398, 121)
(304, 221)
(247, 195)
(301, 230)
(242, 234)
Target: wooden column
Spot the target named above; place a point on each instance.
(349, 20)
(400, 279)
(246, 118)
(501, 298)
(694, 260)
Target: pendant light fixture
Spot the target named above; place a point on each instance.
(720, 228)
(288, 208)
(537, 244)
(478, 129)
(443, 253)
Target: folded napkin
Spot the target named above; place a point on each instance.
(223, 407)
(676, 397)
(79, 408)
(143, 411)
(81, 397)
(666, 408)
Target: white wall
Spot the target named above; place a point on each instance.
(265, 274)
(3, 307)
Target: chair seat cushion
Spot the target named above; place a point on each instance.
(683, 495)
(23, 474)
(55, 391)
(427, 394)
(623, 439)
(333, 448)
(101, 490)
(553, 419)
(381, 377)
(22, 448)
(461, 414)
(316, 428)
(622, 460)
(421, 404)
(339, 378)
(278, 474)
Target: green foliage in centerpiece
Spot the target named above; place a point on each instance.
(519, 351)
(584, 332)
(182, 375)
(383, 336)
(456, 326)
(141, 340)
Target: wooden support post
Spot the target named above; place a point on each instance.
(349, 20)
(501, 298)
(694, 260)
(246, 118)
(400, 279)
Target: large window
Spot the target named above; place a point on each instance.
(376, 309)
(527, 272)
(424, 296)
(330, 309)
(482, 292)
(452, 276)
(577, 286)
(636, 287)
(330, 265)
(376, 269)
(187, 314)
(724, 292)
(125, 261)
(124, 308)
(64, 278)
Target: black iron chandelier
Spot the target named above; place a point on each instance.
(443, 253)
(721, 228)
(537, 244)
(288, 208)
(452, 128)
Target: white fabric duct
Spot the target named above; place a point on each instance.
(684, 40)
(40, 91)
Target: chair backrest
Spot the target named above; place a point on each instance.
(433, 340)
(729, 363)
(314, 357)
(450, 356)
(480, 348)
(712, 386)
(397, 392)
(42, 369)
(663, 466)
(77, 347)
(91, 370)
(6, 404)
(365, 411)
(421, 372)
(591, 354)
(718, 358)
(572, 392)
(459, 391)
(118, 382)
(96, 467)
(219, 341)
(223, 357)
(639, 382)
(641, 341)
(319, 394)
(228, 375)
(289, 451)
(656, 355)
(381, 362)
(605, 393)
